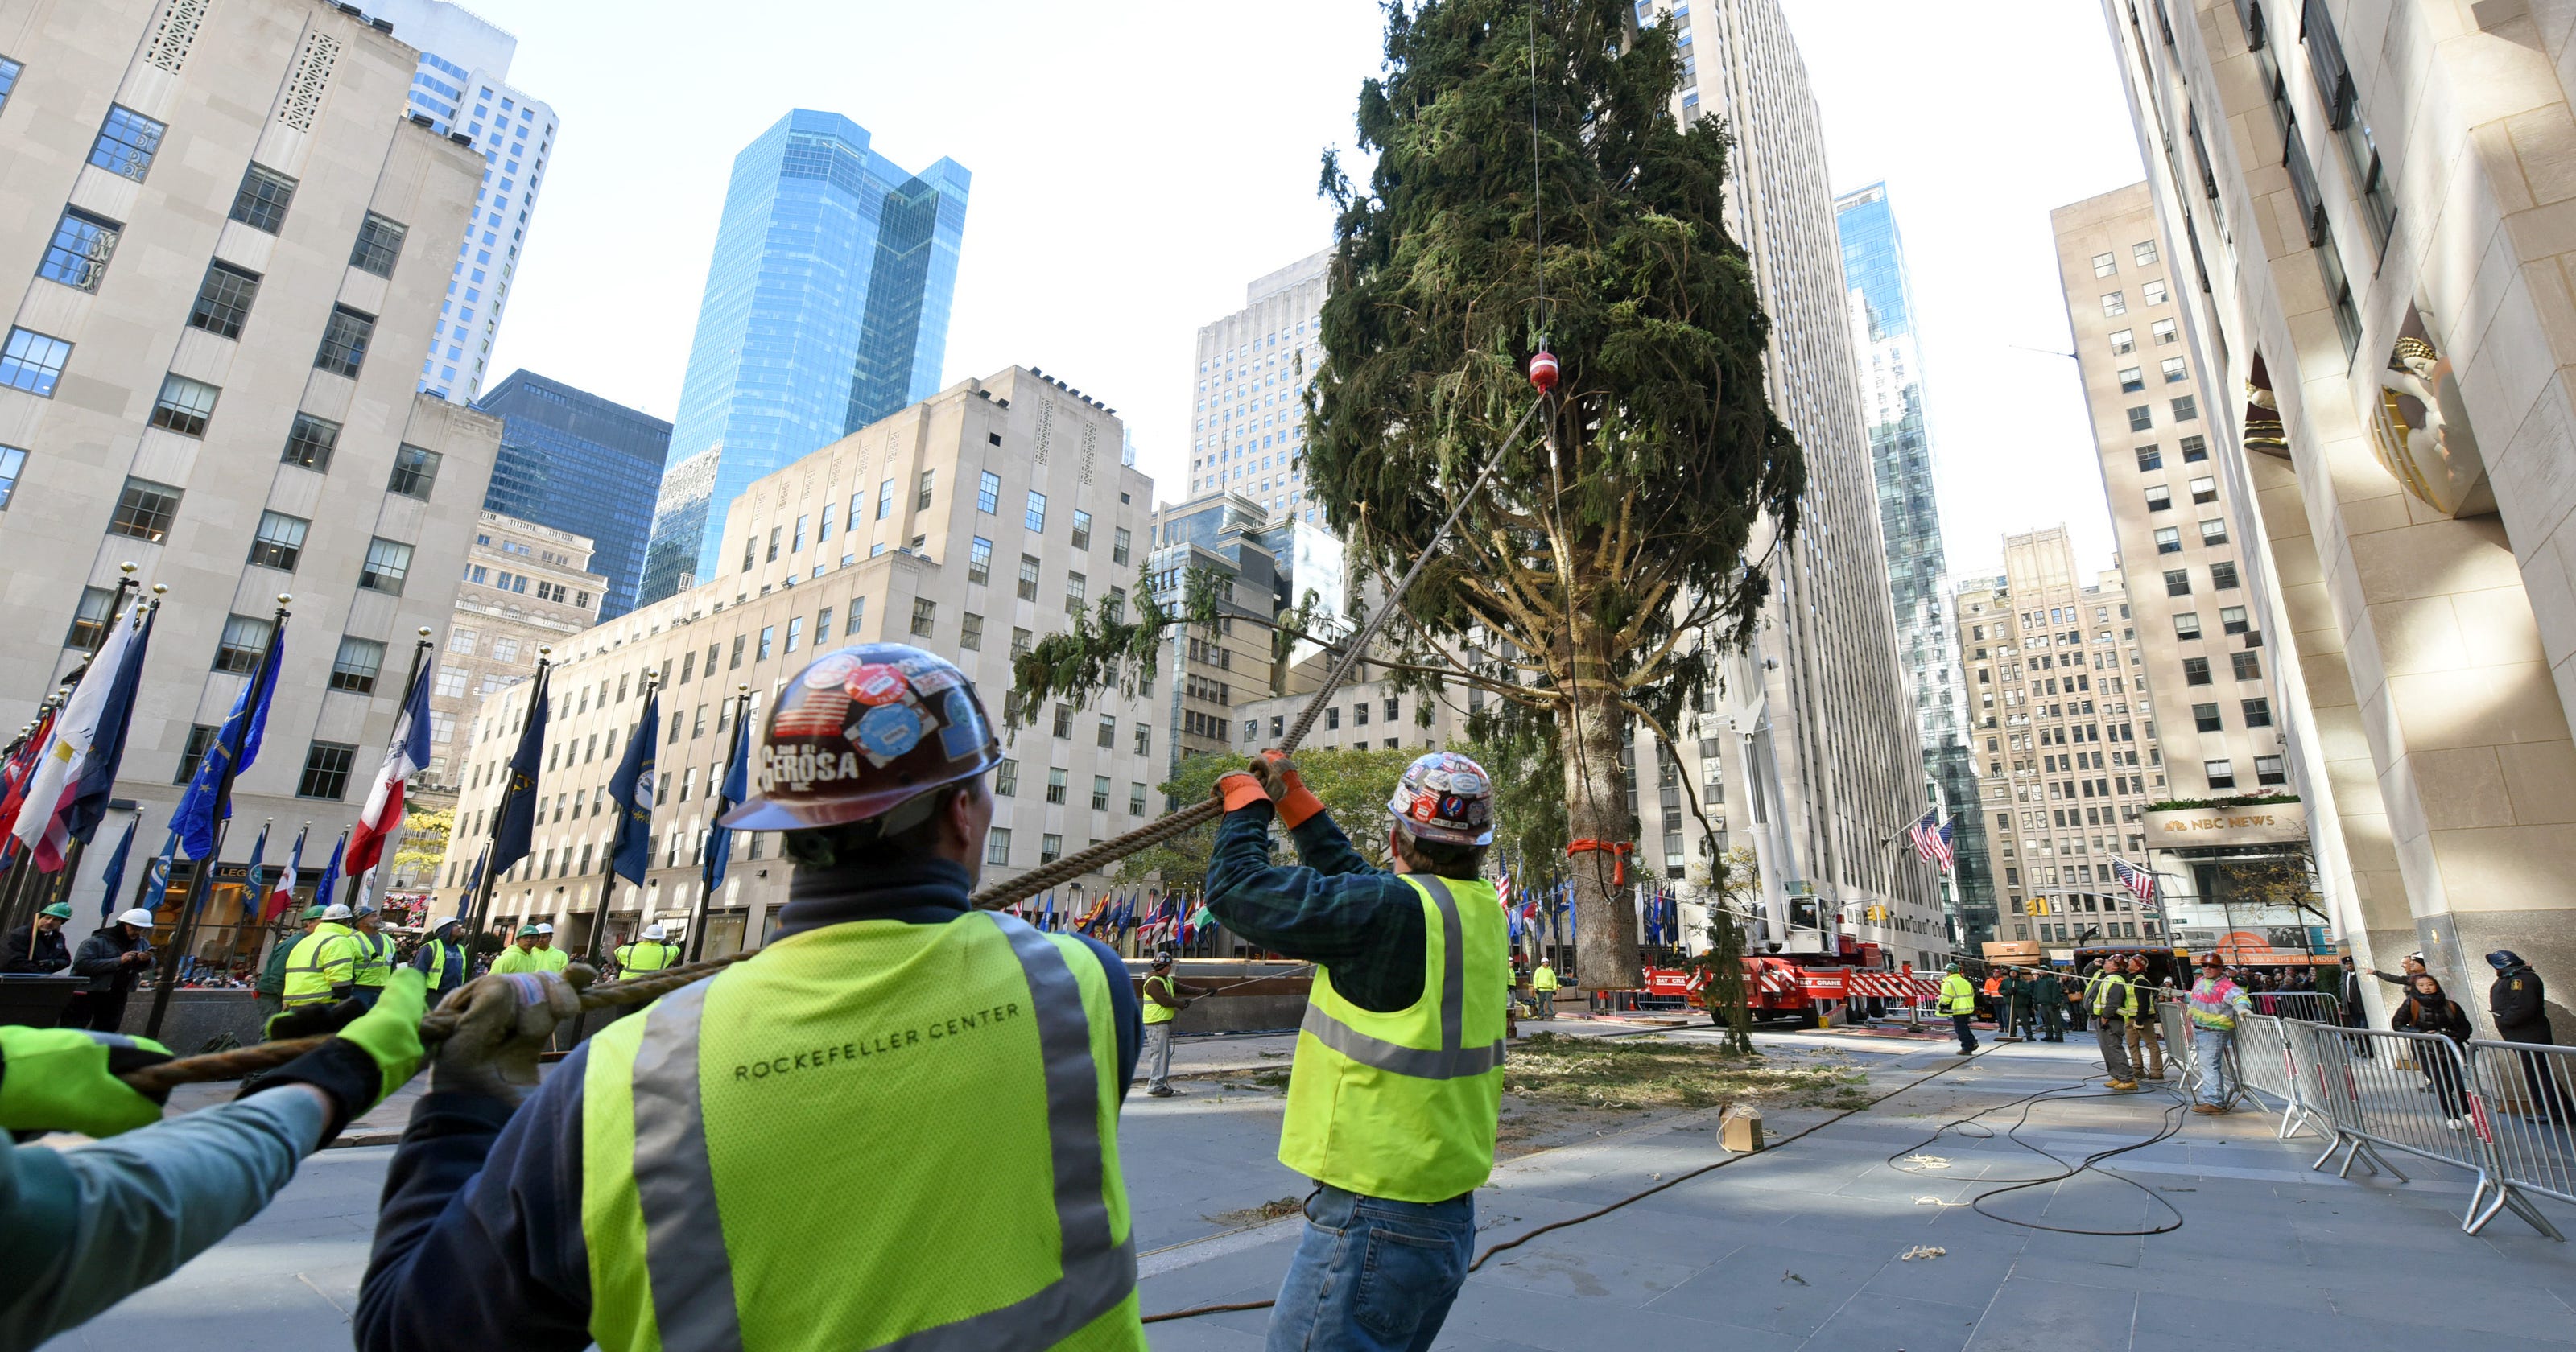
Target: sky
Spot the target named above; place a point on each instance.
(1136, 164)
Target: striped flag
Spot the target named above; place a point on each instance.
(1931, 840)
(2140, 882)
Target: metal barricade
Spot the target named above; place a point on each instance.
(2526, 1097)
(2182, 1060)
(2412, 1092)
(2312, 1006)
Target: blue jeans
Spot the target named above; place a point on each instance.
(2212, 1076)
(1372, 1275)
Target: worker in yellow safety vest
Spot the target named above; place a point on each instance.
(1959, 1001)
(2115, 1003)
(549, 957)
(321, 970)
(374, 960)
(695, 1210)
(442, 960)
(1543, 985)
(1397, 1083)
(522, 955)
(651, 953)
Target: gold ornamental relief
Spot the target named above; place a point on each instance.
(2419, 427)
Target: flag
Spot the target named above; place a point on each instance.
(250, 874)
(474, 875)
(156, 881)
(2140, 882)
(737, 787)
(209, 798)
(514, 829)
(330, 873)
(113, 880)
(67, 793)
(1932, 842)
(632, 789)
(283, 895)
(405, 753)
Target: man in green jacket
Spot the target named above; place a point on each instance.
(2049, 993)
(272, 978)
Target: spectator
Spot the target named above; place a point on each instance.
(2427, 1010)
(2079, 998)
(112, 957)
(2414, 967)
(2013, 1005)
(2519, 1004)
(2216, 1003)
(2048, 994)
(39, 948)
(2142, 1032)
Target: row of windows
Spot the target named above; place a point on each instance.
(2160, 497)
(145, 511)
(2185, 408)
(326, 764)
(2195, 449)
(2169, 538)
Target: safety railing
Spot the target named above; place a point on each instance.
(2526, 1099)
(2383, 1090)
(2312, 1006)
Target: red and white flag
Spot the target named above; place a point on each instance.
(404, 756)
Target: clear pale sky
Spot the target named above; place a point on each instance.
(1135, 164)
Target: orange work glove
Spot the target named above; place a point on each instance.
(1279, 775)
(1240, 789)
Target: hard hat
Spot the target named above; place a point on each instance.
(861, 732)
(528, 931)
(365, 908)
(138, 918)
(1445, 797)
(337, 912)
(59, 910)
(545, 929)
(653, 932)
(1163, 957)
(313, 912)
(445, 921)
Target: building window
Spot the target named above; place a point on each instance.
(311, 442)
(1050, 848)
(1100, 793)
(1135, 799)
(2194, 450)
(2144, 251)
(263, 198)
(1034, 515)
(2153, 293)
(2222, 773)
(388, 563)
(451, 683)
(356, 666)
(2159, 499)
(2105, 264)
(2186, 409)
(1028, 588)
(1021, 640)
(77, 256)
(33, 361)
(768, 640)
(988, 493)
(1055, 784)
(89, 619)
(2195, 671)
(2258, 712)
(2174, 370)
(2187, 627)
(2132, 380)
(415, 470)
(344, 341)
(921, 492)
(126, 145)
(2213, 531)
(2123, 342)
(1081, 529)
(2178, 582)
(1118, 544)
(1144, 739)
(1063, 725)
(885, 499)
(326, 770)
(2249, 666)
(280, 542)
(2269, 770)
(379, 243)
(13, 462)
(925, 616)
(8, 78)
(144, 510)
(997, 845)
(2141, 418)
(245, 640)
(200, 737)
(2113, 303)
(184, 406)
(2204, 490)
(1006, 779)
(2205, 718)
(1074, 585)
(979, 561)
(2232, 619)
(2150, 458)
(223, 300)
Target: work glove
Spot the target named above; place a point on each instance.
(371, 1057)
(313, 1020)
(1278, 776)
(502, 1025)
(1240, 789)
(64, 1079)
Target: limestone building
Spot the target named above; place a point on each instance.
(1247, 421)
(967, 524)
(2371, 199)
(237, 245)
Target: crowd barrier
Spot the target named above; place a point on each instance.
(2311, 1006)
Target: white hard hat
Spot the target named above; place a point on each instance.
(138, 918)
(445, 921)
(653, 932)
(545, 929)
(336, 911)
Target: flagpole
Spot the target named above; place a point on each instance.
(479, 913)
(706, 890)
(204, 878)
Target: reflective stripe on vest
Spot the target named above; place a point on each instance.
(318, 962)
(374, 959)
(648, 955)
(686, 1260)
(1451, 1060)
(1158, 1013)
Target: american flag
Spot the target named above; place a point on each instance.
(2140, 882)
(1931, 841)
(1503, 889)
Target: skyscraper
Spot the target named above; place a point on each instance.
(461, 88)
(1909, 526)
(826, 308)
(576, 462)
(1252, 364)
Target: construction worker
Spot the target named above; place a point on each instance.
(1164, 1001)
(2143, 1034)
(442, 959)
(2115, 1003)
(1397, 1083)
(113, 957)
(321, 970)
(272, 976)
(652, 953)
(1543, 985)
(39, 949)
(553, 959)
(718, 1194)
(374, 959)
(522, 955)
(1959, 1001)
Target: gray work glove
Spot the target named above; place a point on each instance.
(503, 1025)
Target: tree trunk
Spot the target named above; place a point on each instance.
(1596, 808)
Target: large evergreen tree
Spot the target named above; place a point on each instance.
(1533, 188)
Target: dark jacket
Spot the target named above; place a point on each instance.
(50, 954)
(2432, 1014)
(2047, 989)
(2017, 991)
(272, 977)
(1361, 921)
(479, 1244)
(2520, 1006)
(98, 960)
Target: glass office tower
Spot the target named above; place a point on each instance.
(577, 462)
(1909, 520)
(826, 308)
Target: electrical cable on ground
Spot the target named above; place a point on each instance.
(2173, 1124)
(2056, 1094)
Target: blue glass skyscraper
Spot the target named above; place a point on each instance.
(577, 462)
(1909, 520)
(826, 308)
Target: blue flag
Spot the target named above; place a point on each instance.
(737, 787)
(156, 881)
(330, 872)
(474, 879)
(514, 831)
(632, 787)
(209, 798)
(250, 887)
(113, 881)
